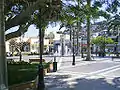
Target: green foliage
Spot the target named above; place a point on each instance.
(46, 65)
(51, 35)
(21, 72)
(114, 24)
(112, 6)
(100, 41)
(23, 13)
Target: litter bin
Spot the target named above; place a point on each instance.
(54, 65)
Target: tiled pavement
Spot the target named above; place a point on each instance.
(72, 80)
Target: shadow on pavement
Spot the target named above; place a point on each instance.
(55, 80)
(96, 84)
(56, 83)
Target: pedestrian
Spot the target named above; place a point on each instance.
(109, 52)
(96, 51)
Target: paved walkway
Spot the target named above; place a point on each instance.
(80, 77)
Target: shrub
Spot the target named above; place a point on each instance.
(20, 72)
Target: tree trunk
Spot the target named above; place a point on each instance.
(24, 16)
(40, 70)
(88, 58)
(78, 29)
(42, 42)
(3, 63)
(70, 39)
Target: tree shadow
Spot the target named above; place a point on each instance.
(96, 84)
(55, 80)
(116, 82)
(56, 83)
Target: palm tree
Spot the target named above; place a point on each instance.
(3, 63)
(86, 11)
(73, 14)
(114, 25)
(88, 58)
(79, 15)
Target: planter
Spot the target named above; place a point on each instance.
(21, 73)
(23, 86)
(45, 71)
(51, 67)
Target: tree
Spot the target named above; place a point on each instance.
(84, 11)
(21, 13)
(3, 62)
(88, 17)
(13, 45)
(114, 25)
(72, 14)
(93, 12)
(101, 42)
(51, 35)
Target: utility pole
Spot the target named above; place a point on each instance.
(3, 62)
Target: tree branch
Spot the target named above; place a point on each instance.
(23, 17)
(17, 33)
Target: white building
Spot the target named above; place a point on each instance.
(7, 46)
(34, 44)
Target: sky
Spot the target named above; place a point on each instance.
(33, 31)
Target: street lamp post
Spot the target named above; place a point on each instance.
(82, 47)
(20, 53)
(62, 40)
(73, 63)
(41, 85)
(116, 49)
(104, 44)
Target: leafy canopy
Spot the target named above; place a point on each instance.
(100, 41)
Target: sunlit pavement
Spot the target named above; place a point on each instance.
(100, 74)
